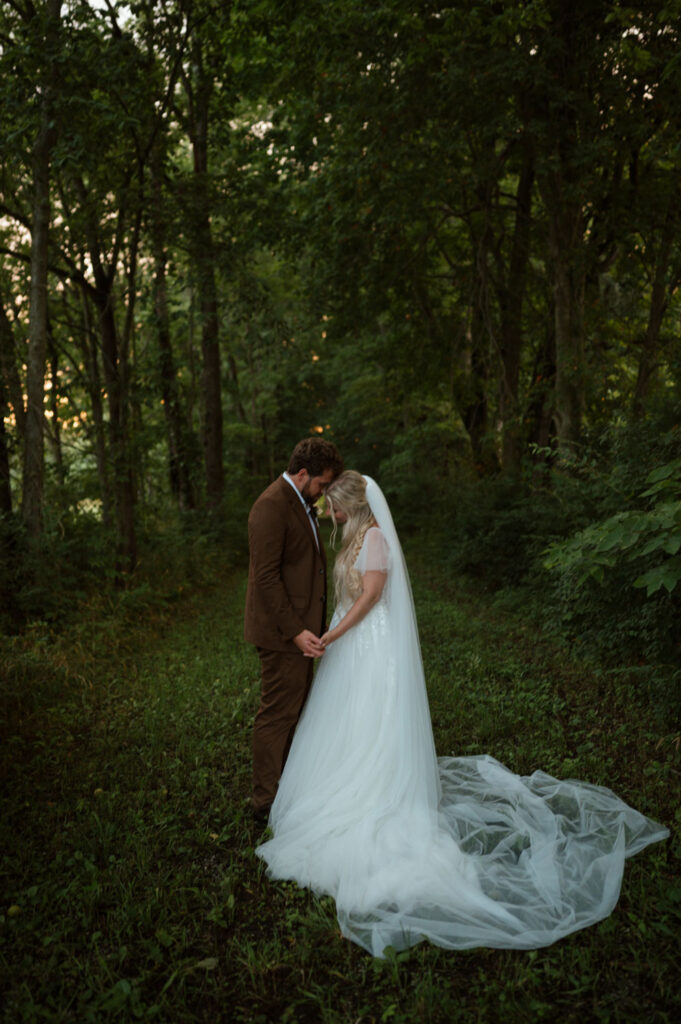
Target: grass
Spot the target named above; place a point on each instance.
(127, 843)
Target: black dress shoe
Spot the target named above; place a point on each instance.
(261, 816)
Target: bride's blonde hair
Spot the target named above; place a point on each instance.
(347, 494)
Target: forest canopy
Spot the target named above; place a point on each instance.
(444, 235)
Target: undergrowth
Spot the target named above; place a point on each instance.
(130, 886)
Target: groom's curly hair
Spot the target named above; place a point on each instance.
(315, 455)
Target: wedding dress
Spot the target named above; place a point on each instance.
(457, 850)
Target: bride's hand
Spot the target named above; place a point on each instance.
(327, 638)
(309, 644)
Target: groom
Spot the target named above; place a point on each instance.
(286, 605)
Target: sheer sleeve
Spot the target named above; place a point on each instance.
(374, 555)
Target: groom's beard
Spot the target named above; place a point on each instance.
(309, 500)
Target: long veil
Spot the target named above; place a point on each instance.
(411, 685)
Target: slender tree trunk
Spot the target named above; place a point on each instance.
(54, 433)
(204, 258)
(91, 360)
(539, 411)
(131, 407)
(10, 399)
(475, 414)
(659, 301)
(566, 233)
(10, 373)
(37, 342)
(511, 313)
(6, 536)
(211, 371)
(114, 377)
(180, 476)
(647, 364)
(5, 481)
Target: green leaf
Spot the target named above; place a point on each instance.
(666, 575)
(654, 544)
(672, 544)
(664, 472)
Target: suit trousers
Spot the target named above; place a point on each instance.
(286, 681)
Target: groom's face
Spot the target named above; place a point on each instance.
(315, 486)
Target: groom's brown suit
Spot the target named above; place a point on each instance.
(286, 595)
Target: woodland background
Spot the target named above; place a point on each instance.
(446, 236)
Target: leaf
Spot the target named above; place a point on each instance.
(662, 478)
(664, 472)
(663, 485)
(654, 544)
(164, 938)
(117, 996)
(666, 575)
(209, 964)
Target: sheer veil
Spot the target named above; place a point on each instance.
(410, 680)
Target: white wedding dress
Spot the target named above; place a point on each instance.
(456, 850)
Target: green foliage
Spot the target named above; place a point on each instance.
(494, 528)
(602, 570)
(375, 260)
(631, 536)
(69, 573)
(48, 578)
(586, 546)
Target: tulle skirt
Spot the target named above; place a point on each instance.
(459, 850)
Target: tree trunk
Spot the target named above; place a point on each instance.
(511, 303)
(10, 373)
(539, 411)
(124, 488)
(211, 375)
(54, 433)
(37, 341)
(659, 301)
(475, 414)
(180, 476)
(5, 483)
(204, 259)
(564, 111)
(566, 233)
(91, 362)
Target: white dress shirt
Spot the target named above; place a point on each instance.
(308, 513)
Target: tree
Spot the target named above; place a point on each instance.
(36, 34)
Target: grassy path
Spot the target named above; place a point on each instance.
(127, 854)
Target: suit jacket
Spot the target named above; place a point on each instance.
(287, 572)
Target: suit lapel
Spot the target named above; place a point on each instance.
(297, 506)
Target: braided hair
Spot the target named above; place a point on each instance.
(347, 494)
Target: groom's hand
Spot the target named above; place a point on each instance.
(309, 644)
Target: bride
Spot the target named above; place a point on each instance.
(457, 850)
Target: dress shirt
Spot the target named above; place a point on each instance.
(309, 515)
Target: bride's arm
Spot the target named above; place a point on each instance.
(372, 588)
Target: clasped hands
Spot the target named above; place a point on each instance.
(311, 646)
